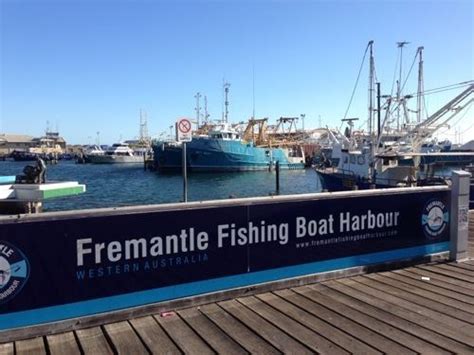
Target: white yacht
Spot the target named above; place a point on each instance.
(117, 153)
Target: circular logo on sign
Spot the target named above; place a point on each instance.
(435, 218)
(14, 271)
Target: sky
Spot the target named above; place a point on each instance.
(87, 67)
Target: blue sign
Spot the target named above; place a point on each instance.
(75, 265)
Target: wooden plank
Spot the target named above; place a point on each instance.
(7, 349)
(427, 285)
(151, 333)
(467, 294)
(460, 267)
(30, 346)
(237, 331)
(421, 297)
(93, 341)
(437, 321)
(463, 265)
(63, 343)
(263, 328)
(372, 318)
(311, 339)
(338, 319)
(215, 337)
(182, 334)
(468, 280)
(449, 282)
(391, 314)
(317, 325)
(123, 338)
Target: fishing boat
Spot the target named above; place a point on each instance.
(368, 161)
(225, 149)
(118, 153)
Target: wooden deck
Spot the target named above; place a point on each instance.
(427, 308)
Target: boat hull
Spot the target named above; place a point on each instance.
(213, 155)
(114, 159)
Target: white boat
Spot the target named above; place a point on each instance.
(118, 153)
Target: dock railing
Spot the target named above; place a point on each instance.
(82, 268)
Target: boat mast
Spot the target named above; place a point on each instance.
(206, 114)
(421, 89)
(226, 101)
(143, 134)
(198, 108)
(399, 83)
(371, 89)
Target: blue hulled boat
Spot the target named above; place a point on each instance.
(223, 149)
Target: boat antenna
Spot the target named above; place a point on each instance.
(198, 107)
(222, 102)
(206, 114)
(226, 101)
(253, 90)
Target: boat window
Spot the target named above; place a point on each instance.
(267, 153)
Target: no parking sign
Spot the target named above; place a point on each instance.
(184, 130)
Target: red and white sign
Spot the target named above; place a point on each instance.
(184, 130)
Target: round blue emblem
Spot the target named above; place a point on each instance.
(435, 218)
(14, 271)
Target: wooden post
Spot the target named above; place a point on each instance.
(459, 215)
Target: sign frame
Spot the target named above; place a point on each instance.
(184, 130)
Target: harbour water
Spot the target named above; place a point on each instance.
(114, 185)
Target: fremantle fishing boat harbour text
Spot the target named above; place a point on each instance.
(195, 243)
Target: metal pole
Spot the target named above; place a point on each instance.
(371, 89)
(277, 175)
(185, 177)
(378, 112)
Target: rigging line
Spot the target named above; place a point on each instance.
(395, 74)
(442, 90)
(457, 85)
(459, 120)
(409, 72)
(425, 106)
(468, 128)
(437, 91)
(357, 81)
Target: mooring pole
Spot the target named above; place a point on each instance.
(185, 176)
(277, 175)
